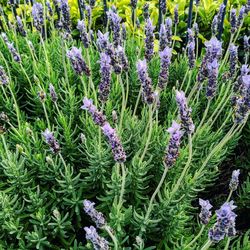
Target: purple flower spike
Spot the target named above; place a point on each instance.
(96, 216)
(196, 29)
(149, 40)
(98, 242)
(51, 141)
(214, 26)
(4, 80)
(115, 21)
(92, 3)
(147, 94)
(163, 6)
(176, 15)
(102, 41)
(246, 44)
(20, 27)
(105, 70)
(233, 20)
(221, 11)
(225, 225)
(133, 3)
(163, 39)
(83, 33)
(190, 36)
(172, 150)
(115, 143)
(165, 57)
(65, 16)
(37, 13)
(77, 62)
(124, 32)
(52, 92)
(233, 51)
(234, 182)
(97, 116)
(146, 11)
(205, 213)
(168, 23)
(185, 112)
(213, 49)
(191, 54)
(241, 15)
(122, 58)
(212, 78)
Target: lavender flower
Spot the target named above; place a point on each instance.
(146, 11)
(49, 8)
(51, 141)
(185, 112)
(124, 32)
(221, 11)
(4, 80)
(97, 116)
(92, 3)
(190, 36)
(105, 70)
(96, 216)
(37, 13)
(98, 242)
(241, 16)
(246, 44)
(239, 85)
(205, 213)
(102, 41)
(65, 16)
(233, 51)
(163, 39)
(77, 62)
(163, 6)
(214, 26)
(233, 20)
(212, 78)
(213, 49)
(122, 58)
(191, 54)
(225, 225)
(234, 182)
(83, 33)
(149, 40)
(168, 23)
(115, 21)
(115, 143)
(172, 150)
(147, 94)
(196, 29)
(52, 92)
(176, 15)
(89, 13)
(20, 27)
(165, 57)
(133, 3)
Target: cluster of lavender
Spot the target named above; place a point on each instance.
(51, 141)
(12, 50)
(83, 33)
(38, 18)
(149, 40)
(165, 34)
(4, 79)
(65, 18)
(77, 61)
(115, 23)
(165, 57)
(96, 216)
(20, 27)
(205, 213)
(146, 11)
(147, 93)
(99, 119)
(52, 92)
(172, 150)
(176, 14)
(234, 182)
(225, 225)
(163, 6)
(191, 49)
(233, 50)
(97, 241)
(185, 113)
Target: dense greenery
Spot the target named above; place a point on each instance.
(42, 192)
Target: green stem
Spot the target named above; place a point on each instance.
(112, 236)
(229, 196)
(184, 79)
(122, 185)
(207, 245)
(175, 31)
(204, 116)
(46, 115)
(196, 237)
(123, 102)
(137, 101)
(227, 244)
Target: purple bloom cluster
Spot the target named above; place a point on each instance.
(105, 70)
(165, 57)
(163, 6)
(246, 44)
(37, 13)
(133, 3)
(146, 11)
(191, 54)
(52, 92)
(98, 242)
(172, 150)
(213, 70)
(149, 40)
(122, 58)
(163, 37)
(115, 21)
(241, 16)
(233, 20)
(234, 182)
(185, 112)
(115, 143)
(214, 26)
(168, 23)
(97, 116)
(233, 51)
(77, 62)
(49, 8)
(124, 32)
(4, 80)
(51, 141)
(225, 225)
(176, 15)
(147, 94)
(92, 3)
(196, 29)
(205, 213)
(20, 27)
(102, 41)
(221, 11)
(83, 33)
(65, 16)
(96, 216)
